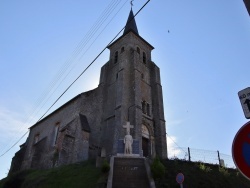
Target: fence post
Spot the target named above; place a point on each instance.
(219, 158)
(189, 156)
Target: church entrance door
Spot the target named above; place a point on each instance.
(145, 142)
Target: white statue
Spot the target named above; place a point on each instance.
(128, 139)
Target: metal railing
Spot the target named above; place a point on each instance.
(200, 155)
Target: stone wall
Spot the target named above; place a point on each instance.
(68, 135)
(158, 113)
(92, 121)
(128, 79)
(17, 160)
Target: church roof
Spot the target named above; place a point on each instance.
(131, 24)
(64, 105)
(130, 27)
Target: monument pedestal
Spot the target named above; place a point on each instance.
(129, 171)
(135, 148)
(127, 155)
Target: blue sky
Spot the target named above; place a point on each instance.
(204, 62)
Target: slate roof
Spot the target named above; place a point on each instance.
(247, 3)
(65, 105)
(131, 24)
(131, 27)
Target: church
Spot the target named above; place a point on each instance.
(91, 125)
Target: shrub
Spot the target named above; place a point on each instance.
(15, 180)
(157, 169)
(204, 168)
(105, 167)
(224, 171)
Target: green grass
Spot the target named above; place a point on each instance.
(76, 175)
(86, 175)
(200, 175)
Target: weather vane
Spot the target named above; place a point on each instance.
(131, 2)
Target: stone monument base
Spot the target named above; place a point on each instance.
(127, 155)
(135, 147)
(130, 171)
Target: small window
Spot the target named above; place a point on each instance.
(116, 75)
(56, 133)
(122, 50)
(148, 109)
(144, 57)
(138, 50)
(36, 139)
(142, 76)
(116, 57)
(143, 104)
(145, 108)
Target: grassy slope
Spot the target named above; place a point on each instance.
(198, 175)
(76, 175)
(85, 175)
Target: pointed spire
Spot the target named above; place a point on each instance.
(131, 24)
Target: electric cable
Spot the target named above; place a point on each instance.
(78, 76)
(42, 99)
(176, 144)
(91, 63)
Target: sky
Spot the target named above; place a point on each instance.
(201, 47)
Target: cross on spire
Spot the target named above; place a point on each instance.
(128, 126)
(131, 2)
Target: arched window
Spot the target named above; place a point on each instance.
(122, 50)
(145, 131)
(138, 50)
(145, 108)
(116, 57)
(56, 129)
(144, 57)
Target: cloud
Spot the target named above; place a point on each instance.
(175, 122)
(12, 127)
(172, 151)
(175, 151)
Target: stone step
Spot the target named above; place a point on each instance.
(129, 173)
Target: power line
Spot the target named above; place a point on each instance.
(176, 143)
(91, 63)
(103, 29)
(47, 93)
(79, 76)
(14, 144)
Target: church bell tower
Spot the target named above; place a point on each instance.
(132, 92)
